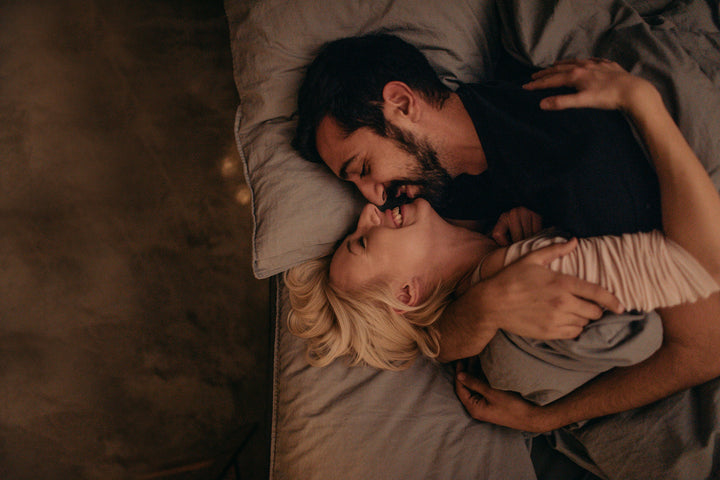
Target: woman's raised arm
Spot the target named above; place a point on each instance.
(690, 202)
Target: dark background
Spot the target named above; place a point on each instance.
(133, 337)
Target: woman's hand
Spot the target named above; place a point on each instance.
(515, 225)
(599, 83)
(508, 409)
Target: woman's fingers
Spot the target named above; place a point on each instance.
(515, 225)
(553, 79)
(570, 63)
(599, 83)
(546, 255)
(561, 102)
(536, 223)
(551, 70)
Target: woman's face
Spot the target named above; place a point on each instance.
(396, 246)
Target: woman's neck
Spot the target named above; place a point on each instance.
(463, 259)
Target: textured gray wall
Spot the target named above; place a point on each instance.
(132, 334)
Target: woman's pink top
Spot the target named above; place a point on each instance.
(644, 270)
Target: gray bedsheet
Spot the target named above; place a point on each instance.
(359, 423)
(544, 370)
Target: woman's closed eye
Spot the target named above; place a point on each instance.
(361, 240)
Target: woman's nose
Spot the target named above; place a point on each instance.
(369, 217)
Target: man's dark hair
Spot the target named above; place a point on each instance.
(346, 80)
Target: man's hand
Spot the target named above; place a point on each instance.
(525, 298)
(688, 357)
(599, 83)
(487, 404)
(515, 225)
(528, 299)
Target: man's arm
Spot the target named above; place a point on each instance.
(527, 299)
(684, 360)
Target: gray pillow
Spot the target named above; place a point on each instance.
(300, 210)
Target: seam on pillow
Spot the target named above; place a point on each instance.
(279, 285)
(246, 172)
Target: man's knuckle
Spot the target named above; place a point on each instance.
(576, 73)
(557, 303)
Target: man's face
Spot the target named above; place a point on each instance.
(388, 171)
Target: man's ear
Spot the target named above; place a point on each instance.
(409, 294)
(399, 101)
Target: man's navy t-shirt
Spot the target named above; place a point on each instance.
(581, 169)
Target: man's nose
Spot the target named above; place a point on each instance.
(374, 192)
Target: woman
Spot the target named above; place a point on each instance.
(406, 263)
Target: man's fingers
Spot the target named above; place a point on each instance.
(473, 383)
(546, 255)
(583, 309)
(598, 295)
(570, 332)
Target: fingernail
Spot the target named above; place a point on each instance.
(462, 376)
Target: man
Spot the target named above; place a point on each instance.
(375, 112)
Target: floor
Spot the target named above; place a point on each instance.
(133, 337)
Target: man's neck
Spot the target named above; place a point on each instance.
(457, 140)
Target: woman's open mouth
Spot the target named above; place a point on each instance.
(397, 216)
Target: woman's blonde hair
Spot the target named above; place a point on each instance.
(369, 324)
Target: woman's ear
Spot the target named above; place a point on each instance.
(409, 294)
(399, 101)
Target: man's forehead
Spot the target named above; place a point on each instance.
(329, 143)
(334, 147)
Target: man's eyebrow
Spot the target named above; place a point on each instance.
(343, 170)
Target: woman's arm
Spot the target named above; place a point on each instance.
(691, 208)
(525, 298)
(690, 203)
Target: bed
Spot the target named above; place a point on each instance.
(359, 423)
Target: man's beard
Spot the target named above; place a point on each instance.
(428, 174)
